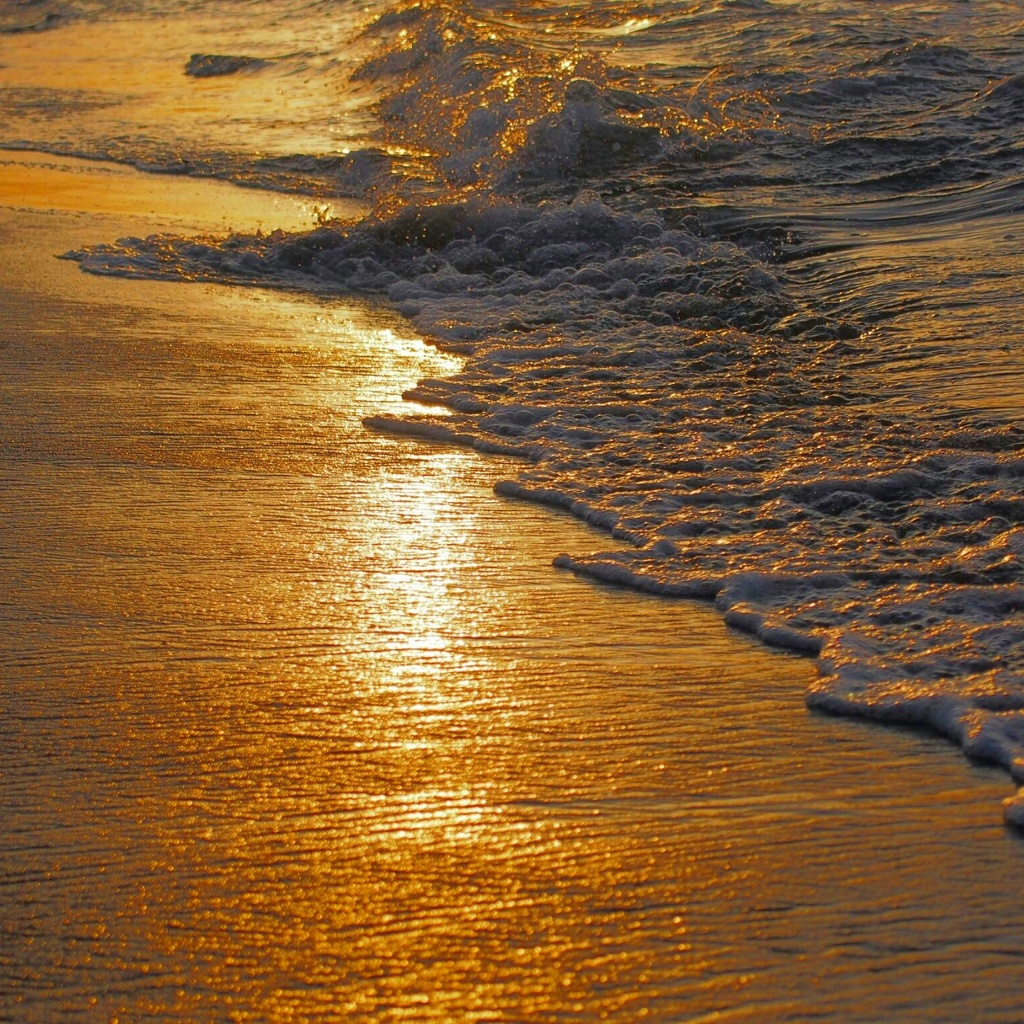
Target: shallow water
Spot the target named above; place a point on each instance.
(741, 279)
(114, 86)
(39, 181)
(298, 723)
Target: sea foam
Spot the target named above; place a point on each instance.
(668, 382)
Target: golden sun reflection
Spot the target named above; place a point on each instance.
(338, 743)
(298, 721)
(627, 27)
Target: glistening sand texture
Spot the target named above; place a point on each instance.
(299, 723)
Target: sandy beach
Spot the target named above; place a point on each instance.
(298, 721)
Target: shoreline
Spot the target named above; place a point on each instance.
(84, 187)
(39, 180)
(313, 703)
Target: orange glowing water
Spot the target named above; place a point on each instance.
(299, 723)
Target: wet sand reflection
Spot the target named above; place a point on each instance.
(299, 722)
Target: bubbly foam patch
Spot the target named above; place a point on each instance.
(665, 382)
(665, 388)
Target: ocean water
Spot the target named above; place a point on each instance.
(297, 723)
(740, 280)
(736, 284)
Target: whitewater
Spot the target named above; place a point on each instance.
(738, 282)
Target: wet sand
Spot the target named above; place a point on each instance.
(299, 723)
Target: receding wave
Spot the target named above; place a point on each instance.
(677, 372)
